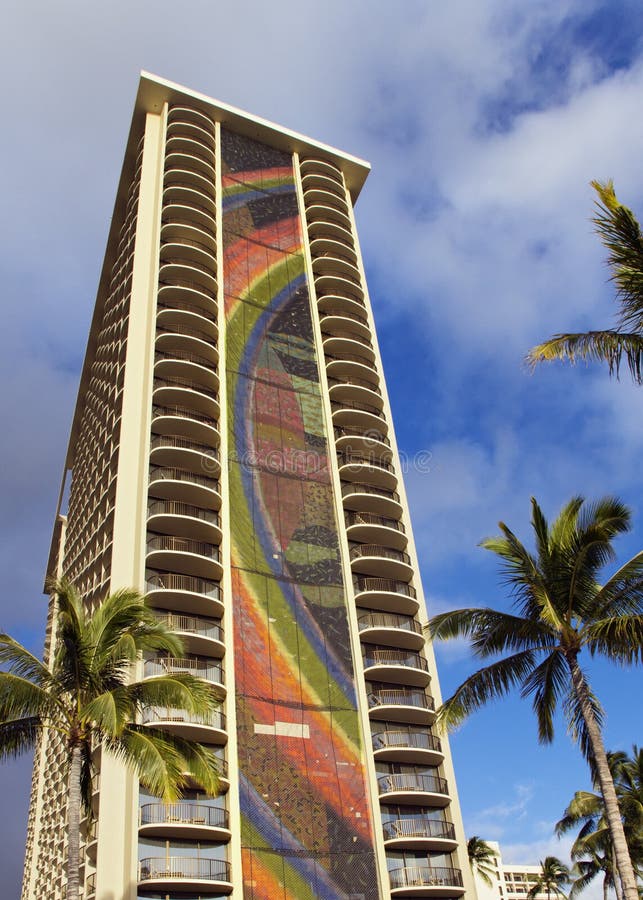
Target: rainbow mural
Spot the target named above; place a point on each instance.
(306, 830)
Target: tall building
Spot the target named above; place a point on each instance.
(232, 454)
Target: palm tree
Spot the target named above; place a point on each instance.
(481, 858)
(591, 849)
(561, 610)
(86, 697)
(553, 876)
(620, 232)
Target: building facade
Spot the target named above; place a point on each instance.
(508, 881)
(232, 454)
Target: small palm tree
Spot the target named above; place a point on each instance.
(86, 697)
(620, 232)
(587, 869)
(553, 877)
(481, 858)
(561, 610)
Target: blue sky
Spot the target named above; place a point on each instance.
(484, 121)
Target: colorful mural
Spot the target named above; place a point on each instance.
(306, 829)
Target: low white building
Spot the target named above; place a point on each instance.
(509, 881)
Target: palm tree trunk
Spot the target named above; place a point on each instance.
(73, 825)
(624, 868)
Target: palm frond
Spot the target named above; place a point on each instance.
(547, 683)
(485, 685)
(584, 806)
(154, 758)
(108, 713)
(20, 697)
(594, 346)
(490, 630)
(576, 723)
(21, 662)
(180, 691)
(18, 736)
(622, 593)
(619, 638)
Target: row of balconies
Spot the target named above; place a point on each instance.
(391, 638)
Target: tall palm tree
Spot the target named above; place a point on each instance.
(481, 858)
(561, 610)
(553, 877)
(620, 232)
(87, 697)
(591, 848)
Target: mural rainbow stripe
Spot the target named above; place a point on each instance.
(306, 830)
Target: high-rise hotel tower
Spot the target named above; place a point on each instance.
(232, 454)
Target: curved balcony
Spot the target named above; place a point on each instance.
(185, 369)
(324, 182)
(371, 529)
(185, 873)
(329, 265)
(184, 293)
(392, 629)
(346, 366)
(180, 267)
(168, 451)
(356, 394)
(365, 442)
(356, 412)
(182, 422)
(353, 346)
(184, 556)
(426, 881)
(184, 593)
(168, 483)
(326, 197)
(178, 228)
(189, 251)
(185, 171)
(338, 283)
(395, 666)
(351, 381)
(183, 820)
(200, 635)
(338, 304)
(419, 833)
(384, 562)
(179, 128)
(385, 594)
(408, 745)
(187, 333)
(320, 228)
(183, 114)
(413, 707)
(376, 472)
(181, 153)
(345, 323)
(167, 394)
(312, 165)
(209, 729)
(319, 212)
(369, 498)
(191, 214)
(177, 191)
(176, 517)
(204, 668)
(407, 787)
(328, 246)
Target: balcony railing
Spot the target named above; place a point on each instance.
(362, 550)
(173, 544)
(388, 585)
(187, 331)
(389, 620)
(400, 697)
(191, 625)
(171, 442)
(183, 868)
(167, 581)
(178, 508)
(343, 405)
(185, 356)
(356, 487)
(182, 412)
(406, 739)
(209, 671)
(384, 657)
(182, 813)
(187, 283)
(352, 381)
(371, 434)
(425, 876)
(167, 716)
(418, 827)
(358, 518)
(168, 473)
(398, 781)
